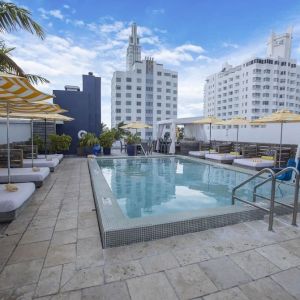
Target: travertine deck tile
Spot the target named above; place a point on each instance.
(151, 287)
(224, 272)
(190, 282)
(64, 237)
(230, 294)
(60, 254)
(37, 235)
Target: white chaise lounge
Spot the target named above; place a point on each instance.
(50, 163)
(12, 203)
(224, 158)
(58, 156)
(257, 164)
(200, 154)
(25, 175)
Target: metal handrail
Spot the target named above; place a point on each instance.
(272, 199)
(296, 193)
(265, 170)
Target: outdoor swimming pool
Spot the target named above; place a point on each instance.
(146, 198)
(157, 186)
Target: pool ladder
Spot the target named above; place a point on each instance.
(271, 178)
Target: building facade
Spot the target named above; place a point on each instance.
(258, 87)
(145, 92)
(84, 106)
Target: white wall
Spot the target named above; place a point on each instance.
(19, 130)
(268, 134)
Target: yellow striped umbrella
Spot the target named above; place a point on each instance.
(13, 88)
(208, 120)
(26, 107)
(16, 90)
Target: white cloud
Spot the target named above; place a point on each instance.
(56, 13)
(230, 45)
(102, 49)
(66, 6)
(159, 11)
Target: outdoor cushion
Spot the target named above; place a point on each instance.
(267, 157)
(24, 175)
(58, 156)
(40, 162)
(221, 156)
(254, 162)
(10, 201)
(200, 153)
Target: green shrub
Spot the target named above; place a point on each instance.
(107, 138)
(88, 140)
(133, 139)
(59, 142)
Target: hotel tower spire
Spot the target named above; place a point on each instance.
(133, 49)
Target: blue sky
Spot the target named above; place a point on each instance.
(192, 37)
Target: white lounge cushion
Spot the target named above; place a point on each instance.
(58, 156)
(221, 156)
(254, 162)
(41, 162)
(10, 201)
(197, 153)
(24, 175)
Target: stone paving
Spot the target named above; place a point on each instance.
(53, 251)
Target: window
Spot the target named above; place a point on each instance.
(158, 112)
(118, 95)
(128, 95)
(128, 87)
(139, 103)
(118, 110)
(118, 102)
(118, 118)
(118, 79)
(138, 88)
(139, 95)
(139, 71)
(128, 102)
(128, 79)
(168, 90)
(139, 80)
(159, 90)
(138, 111)
(158, 73)
(159, 82)
(148, 111)
(128, 118)
(118, 87)
(168, 83)
(128, 110)
(149, 89)
(158, 104)
(158, 97)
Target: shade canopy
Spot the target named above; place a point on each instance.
(208, 120)
(135, 125)
(37, 116)
(281, 116)
(26, 107)
(15, 88)
(234, 121)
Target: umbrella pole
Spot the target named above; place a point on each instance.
(209, 137)
(32, 143)
(237, 138)
(7, 138)
(45, 139)
(281, 127)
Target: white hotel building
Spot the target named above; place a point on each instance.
(145, 92)
(257, 87)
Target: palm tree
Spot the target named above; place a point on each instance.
(13, 18)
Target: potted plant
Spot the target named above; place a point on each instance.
(60, 143)
(106, 140)
(87, 142)
(132, 140)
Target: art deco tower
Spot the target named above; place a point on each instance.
(133, 49)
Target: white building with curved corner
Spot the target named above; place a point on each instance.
(145, 92)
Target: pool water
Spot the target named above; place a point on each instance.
(156, 186)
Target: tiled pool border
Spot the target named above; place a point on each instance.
(117, 230)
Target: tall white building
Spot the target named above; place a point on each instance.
(145, 92)
(257, 87)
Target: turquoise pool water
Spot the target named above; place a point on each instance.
(156, 186)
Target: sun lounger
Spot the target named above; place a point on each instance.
(258, 163)
(224, 158)
(12, 203)
(25, 175)
(200, 154)
(51, 163)
(58, 156)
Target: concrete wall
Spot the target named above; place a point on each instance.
(19, 130)
(268, 134)
(84, 106)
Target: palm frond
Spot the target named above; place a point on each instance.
(8, 65)
(13, 17)
(36, 79)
